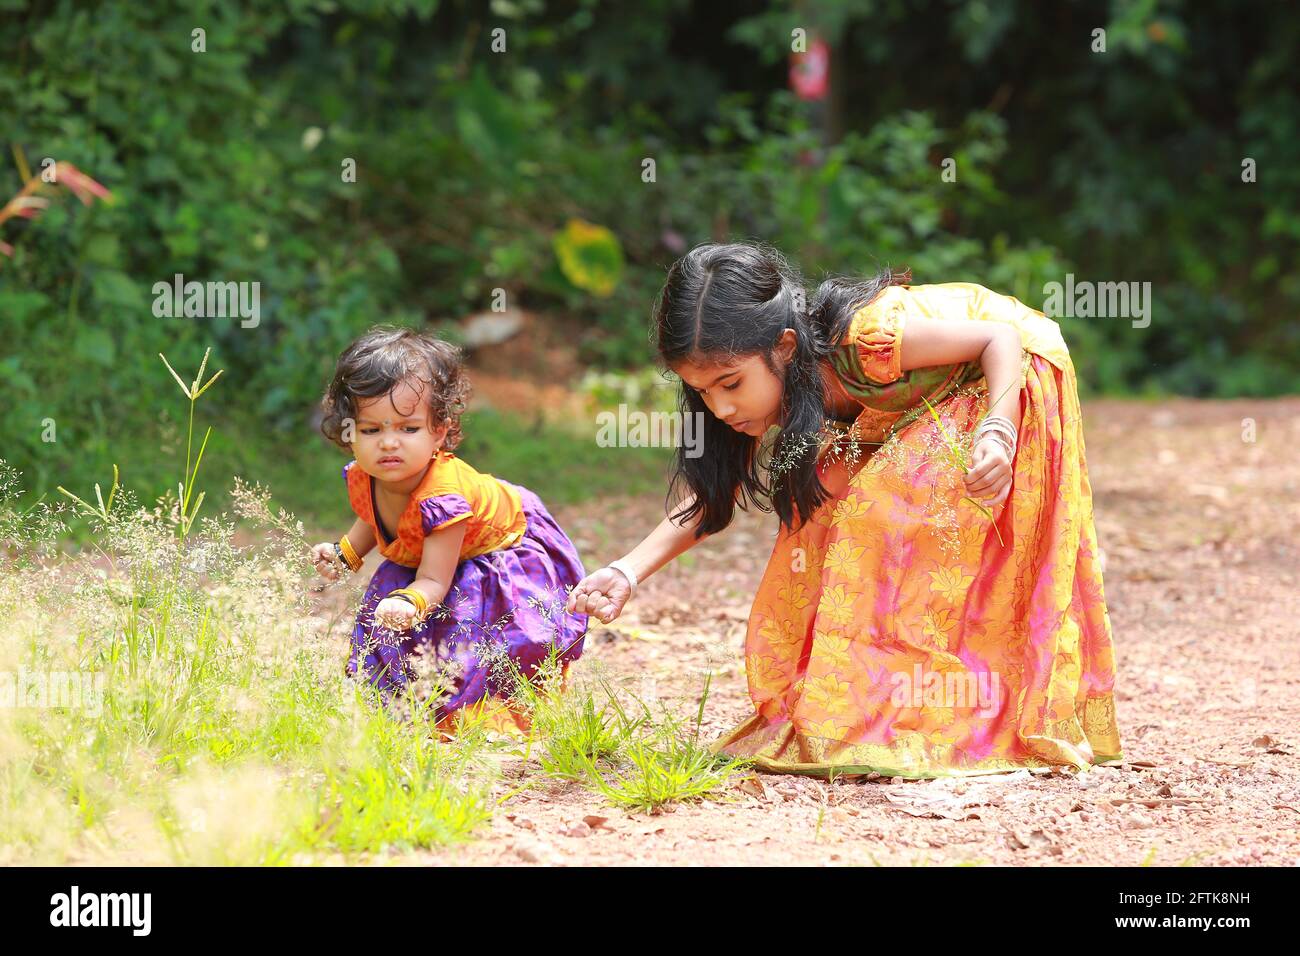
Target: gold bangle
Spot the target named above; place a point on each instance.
(350, 553)
(415, 597)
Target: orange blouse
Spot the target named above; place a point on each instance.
(868, 363)
(451, 491)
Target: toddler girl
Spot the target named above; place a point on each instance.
(476, 570)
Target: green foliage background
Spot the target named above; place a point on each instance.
(471, 165)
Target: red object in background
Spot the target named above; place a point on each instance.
(28, 205)
(810, 73)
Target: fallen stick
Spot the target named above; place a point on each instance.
(1229, 763)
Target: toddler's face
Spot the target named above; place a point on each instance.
(745, 394)
(394, 437)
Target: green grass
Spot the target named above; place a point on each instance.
(620, 749)
(578, 729)
(561, 466)
(218, 727)
(666, 765)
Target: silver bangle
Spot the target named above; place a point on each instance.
(1010, 449)
(1000, 421)
(994, 433)
(1001, 439)
(999, 418)
(997, 426)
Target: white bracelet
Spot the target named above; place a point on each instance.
(1001, 424)
(996, 427)
(983, 433)
(626, 569)
(998, 439)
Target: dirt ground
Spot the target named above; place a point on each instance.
(1199, 526)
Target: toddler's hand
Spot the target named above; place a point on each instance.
(601, 593)
(989, 478)
(326, 560)
(395, 614)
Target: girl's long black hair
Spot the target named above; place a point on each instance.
(726, 301)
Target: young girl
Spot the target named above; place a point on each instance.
(476, 569)
(922, 614)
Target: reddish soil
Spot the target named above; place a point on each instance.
(1200, 530)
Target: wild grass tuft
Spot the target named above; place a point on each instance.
(211, 721)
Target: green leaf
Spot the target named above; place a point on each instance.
(114, 290)
(95, 345)
(590, 256)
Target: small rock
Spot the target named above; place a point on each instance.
(535, 853)
(491, 328)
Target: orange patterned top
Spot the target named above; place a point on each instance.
(868, 363)
(451, 491)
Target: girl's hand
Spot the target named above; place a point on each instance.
(326, 561)
(601, 593)
(395, 614)
(989, 479)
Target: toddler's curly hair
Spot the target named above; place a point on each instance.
(382, 358)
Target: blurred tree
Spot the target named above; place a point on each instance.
(477, 132)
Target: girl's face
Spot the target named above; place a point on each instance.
(394, 438)
(744, 394)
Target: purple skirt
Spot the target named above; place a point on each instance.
(506, 603)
